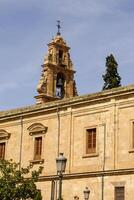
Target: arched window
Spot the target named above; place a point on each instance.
(60, 92)
(60, 56)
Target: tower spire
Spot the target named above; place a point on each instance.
(58, 26)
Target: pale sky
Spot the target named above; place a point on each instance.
(92, 28)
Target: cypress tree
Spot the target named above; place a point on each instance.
(111, 77)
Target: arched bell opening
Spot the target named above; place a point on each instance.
(60, 92)
(60, 56)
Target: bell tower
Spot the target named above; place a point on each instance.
(57, 78)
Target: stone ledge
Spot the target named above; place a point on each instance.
(131, 151)
(105, 173)
(32, 162)
(90, 155)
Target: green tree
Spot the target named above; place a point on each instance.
(111, 77)
(16, 184)
(38, 196)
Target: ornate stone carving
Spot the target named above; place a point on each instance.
(75, 89)
(37, 128)
(4, 135)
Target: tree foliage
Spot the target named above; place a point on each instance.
(16, 184)
(111, 77)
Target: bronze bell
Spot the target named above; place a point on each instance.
(60, 82)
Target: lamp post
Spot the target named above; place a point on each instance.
(61, 165)
(86, 193)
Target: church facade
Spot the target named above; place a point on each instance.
(95, 132)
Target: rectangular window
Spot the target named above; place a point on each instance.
(91, 140)
(119, 193)
(37, 148)
(2, 150)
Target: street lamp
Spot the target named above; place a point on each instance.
(61, 165)
(86, 193)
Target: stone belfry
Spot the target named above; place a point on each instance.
(57, 78)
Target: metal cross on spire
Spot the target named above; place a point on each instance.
(59, 27)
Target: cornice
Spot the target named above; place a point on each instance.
(105, 173)
(102, 96)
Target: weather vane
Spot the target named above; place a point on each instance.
(59, 27)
